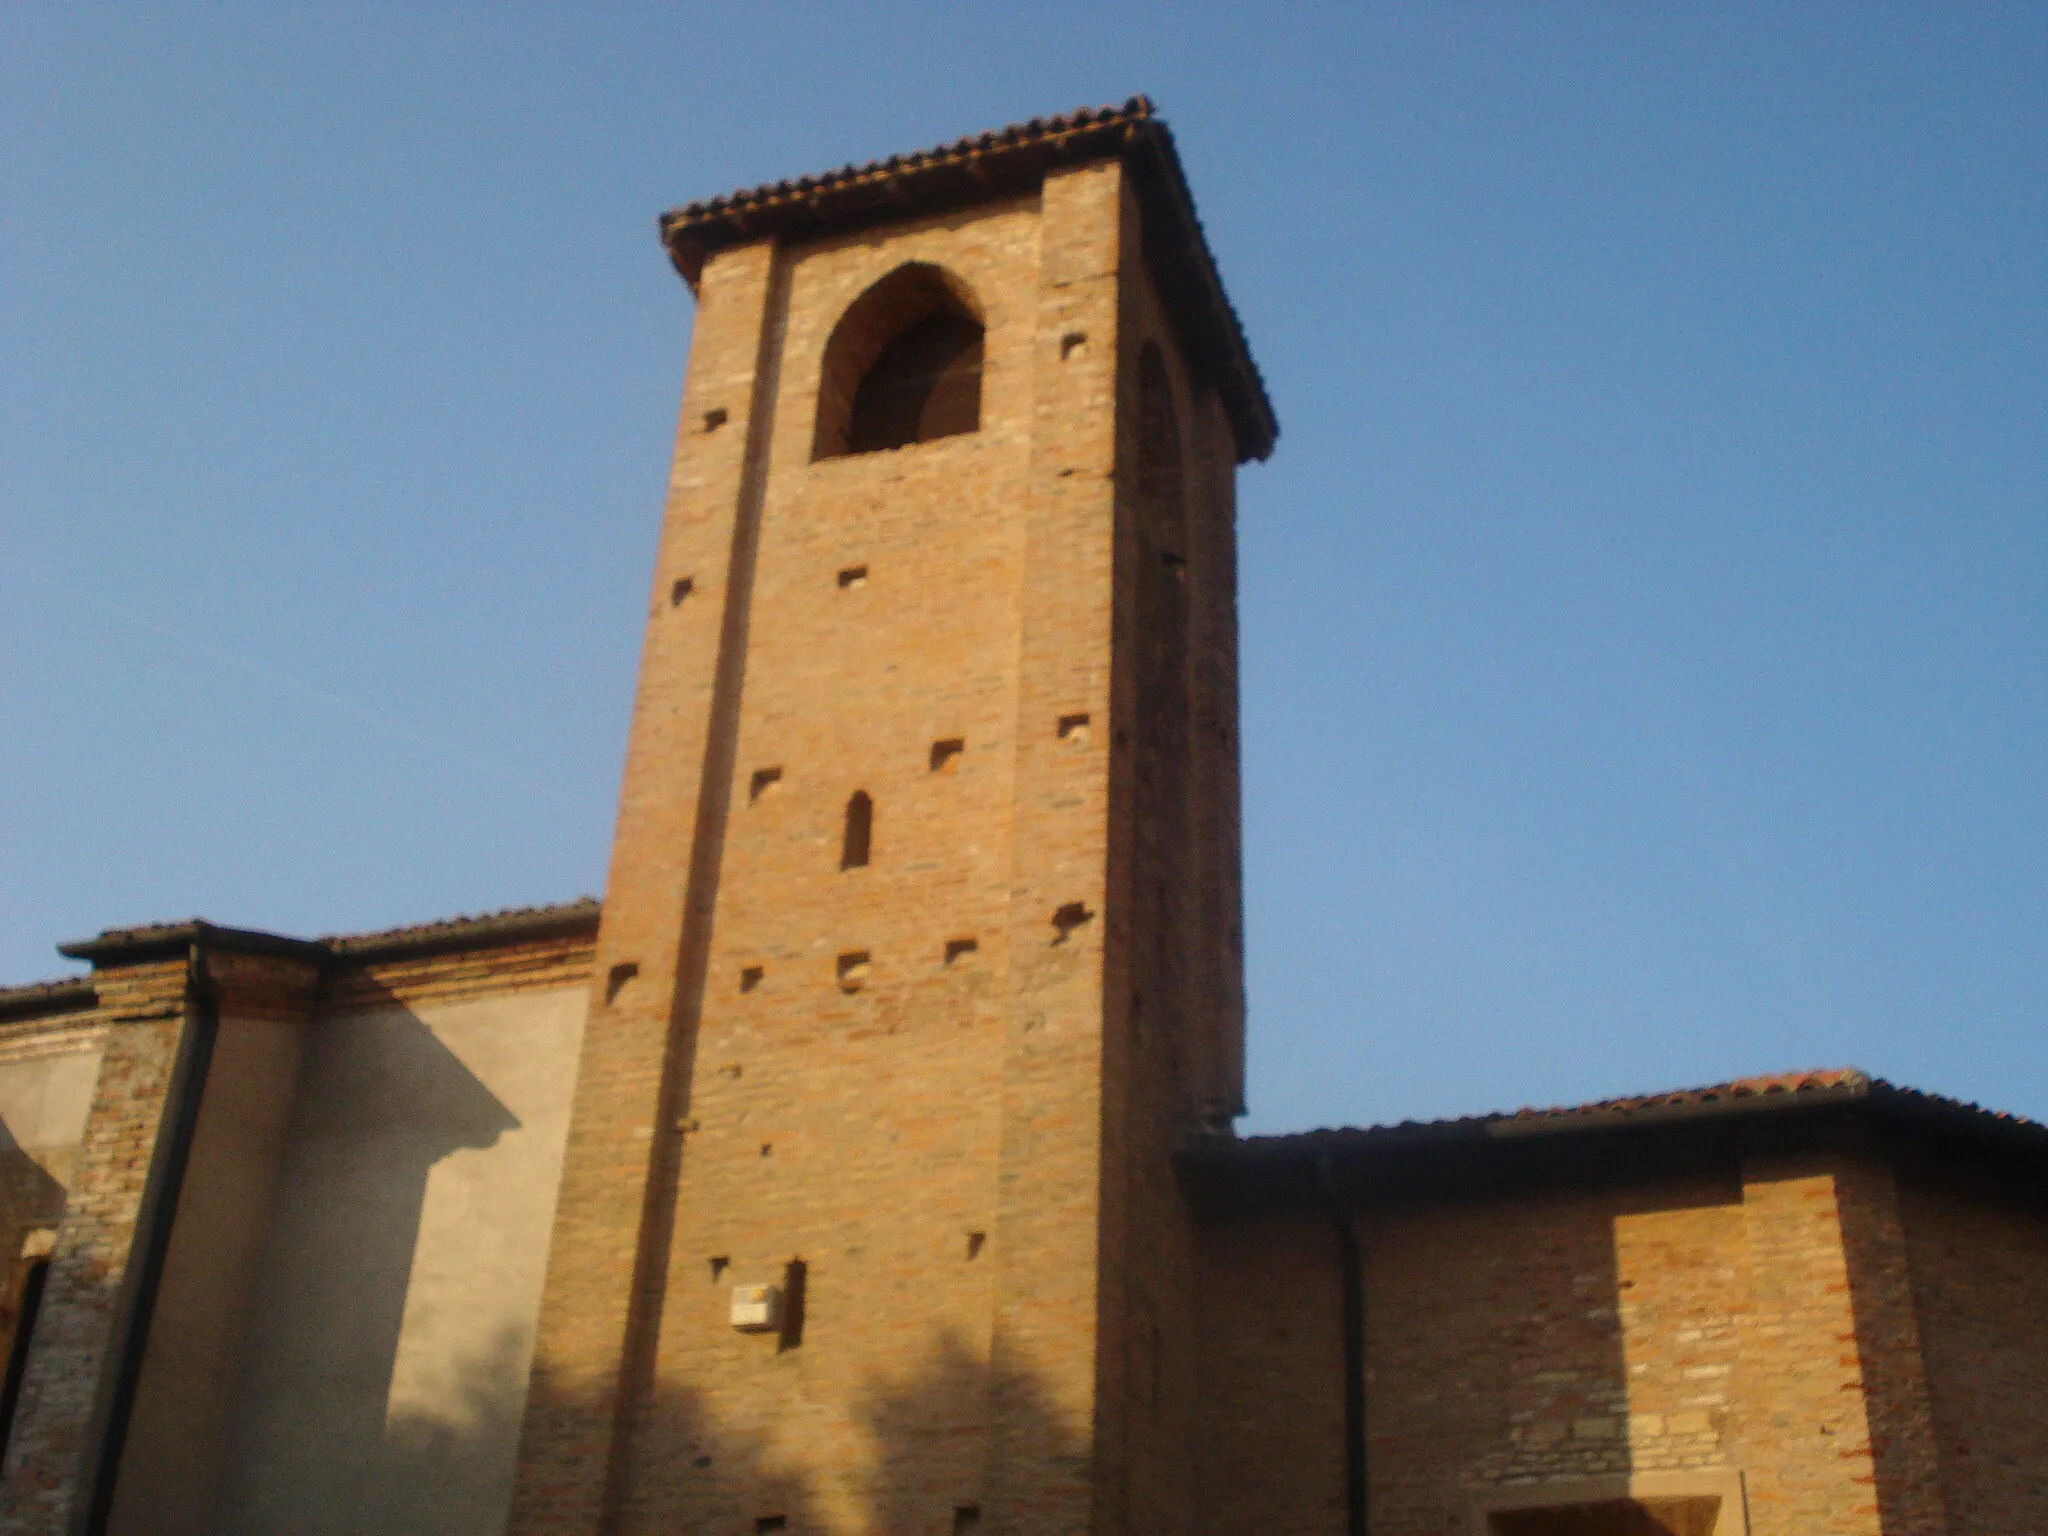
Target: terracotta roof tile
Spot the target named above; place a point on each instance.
(1717, 1093)
(1741, 1099)
(510, 923)
(1045, 131)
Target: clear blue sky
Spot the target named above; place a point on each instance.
(1645, 613)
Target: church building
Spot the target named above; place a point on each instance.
(863, 1164)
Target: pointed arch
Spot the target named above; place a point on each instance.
(902, 366)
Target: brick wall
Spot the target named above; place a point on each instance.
(1173, 993)
(1979, 1254)
(149, 1021)
(1754, 1317)
(909, 1076)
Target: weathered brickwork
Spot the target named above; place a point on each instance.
(932, 1078)
(1755, 1321)
(1836, 1440)
(1173, 987)
(197, 1035)
(917, 995)
(1540, 1336)
(1979, 1253)
(49, 1059)
(149, 1019)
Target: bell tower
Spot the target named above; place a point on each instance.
(921, 948)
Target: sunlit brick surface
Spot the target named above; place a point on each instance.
(969, 1155)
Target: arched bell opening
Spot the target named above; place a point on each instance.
(902, 366)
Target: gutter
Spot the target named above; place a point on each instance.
(1352, 1278)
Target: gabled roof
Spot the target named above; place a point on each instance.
(1581, 1135)
(1010, 160)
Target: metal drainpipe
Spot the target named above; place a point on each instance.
(1352, 1270)
(152, 1243)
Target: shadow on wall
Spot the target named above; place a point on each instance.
(447, 1472)
(29, 1196)
(1495, 1352)
(910, 1454)
(931, 1419)
(380, 1102)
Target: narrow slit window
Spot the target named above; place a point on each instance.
(859, 833)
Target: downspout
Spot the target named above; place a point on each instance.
(1352, 1273)
(152, 1243)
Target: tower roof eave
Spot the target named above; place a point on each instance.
(1015, 159)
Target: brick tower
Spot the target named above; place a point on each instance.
(921, 951)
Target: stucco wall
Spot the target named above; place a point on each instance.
(393, 1326)
(199, 1326)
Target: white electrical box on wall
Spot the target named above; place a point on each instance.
(756, 1308)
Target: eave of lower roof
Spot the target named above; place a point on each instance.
(1001, 163)
(41, 999)
(134, 946)
(1237, 1170)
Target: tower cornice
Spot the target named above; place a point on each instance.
(1005, 162)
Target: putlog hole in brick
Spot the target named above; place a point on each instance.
(853, 970)
(616, 981)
